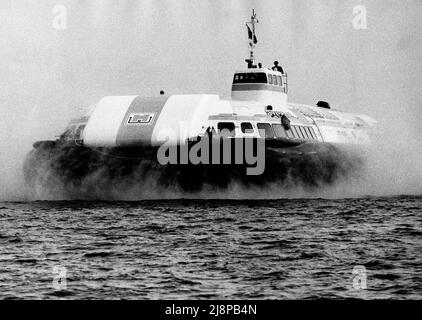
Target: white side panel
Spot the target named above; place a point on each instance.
(104, 123)
(185, 116)
(337, 134)
(265, 96)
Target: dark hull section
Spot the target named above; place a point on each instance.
(71, 171)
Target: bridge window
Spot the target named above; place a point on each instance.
(226, 129)
(265, 130)
(246, 127)
(252, 77)
(270, 79)
(280, 82)
(279, 131)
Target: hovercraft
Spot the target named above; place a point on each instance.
(254, 137)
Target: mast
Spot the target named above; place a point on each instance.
(252, 39)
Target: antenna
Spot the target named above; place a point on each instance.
(252, 39)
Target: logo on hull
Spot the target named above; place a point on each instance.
(140, 118)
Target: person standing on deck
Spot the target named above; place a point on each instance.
(277, 67)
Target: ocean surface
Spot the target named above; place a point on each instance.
(366, 248)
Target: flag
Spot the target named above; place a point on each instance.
(252, 37)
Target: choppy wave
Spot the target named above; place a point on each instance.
(197, 249)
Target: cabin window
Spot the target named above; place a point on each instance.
(226, 129)
(279, 131)
(312, 132)
(246, 127)
(300, 133)
(280, 82)
(270, 79)
(68, 134)
(252, 77)
(265, 130)
(303, 131)
(296, 132)
(79, 132)
(308, 132)
(292, 129)
(290, 133)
